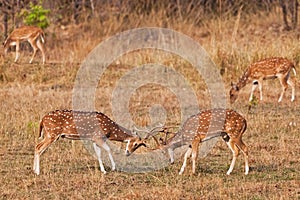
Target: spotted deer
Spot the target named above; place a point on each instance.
(34, 35)
(269, 68)
(79, 125)
(204, 126)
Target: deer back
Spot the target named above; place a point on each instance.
(269, 68)
(209, 123)
(82, 125)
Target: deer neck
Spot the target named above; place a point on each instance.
(118, 133)
(176, 141)
(244, 79)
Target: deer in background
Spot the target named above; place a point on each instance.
(269, 68)
(34, 35)
(79, 125)
(204, 126)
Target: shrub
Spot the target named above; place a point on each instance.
(36, 15)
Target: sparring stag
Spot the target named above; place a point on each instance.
(79, 125)
(208, 124)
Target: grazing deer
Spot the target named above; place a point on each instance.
(204, 126)
(269, 68)
(79, 125)
(34, 35)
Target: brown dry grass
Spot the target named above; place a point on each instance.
(68, 171)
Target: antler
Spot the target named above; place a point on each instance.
(161, 141)
(151, 132)
(167, 141)
(154, 131)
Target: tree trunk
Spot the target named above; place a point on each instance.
(76, 11)
(295, 14)
(5, 25)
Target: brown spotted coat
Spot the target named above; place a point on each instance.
(268, 68)
(209, 124)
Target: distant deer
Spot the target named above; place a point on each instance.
(225, 123)
(269, 68)
(34, 35)
(77, 125)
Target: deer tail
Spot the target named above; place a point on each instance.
(42, 36)
(41, 129)
(6, 41)
(294, 70)
(244, 127)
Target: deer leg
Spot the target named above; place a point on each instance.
(291, 83)
(107, 148)
(260, 90)
(283, 82)
(235, 152)
(98, 153)
(186, 155)
(195, 147)
(35, 48)
(244, 150)
(17, 51)
(39, 149)
(41, 47)
(254, 86)
(171, 154)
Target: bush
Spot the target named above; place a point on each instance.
(36, 15)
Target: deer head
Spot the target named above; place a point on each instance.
(233, 93)
(133, 144)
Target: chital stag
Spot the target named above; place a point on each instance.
(79, 125)
(34, 35)
(265, 69)
(206, 125)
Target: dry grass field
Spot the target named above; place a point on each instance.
(69, 171)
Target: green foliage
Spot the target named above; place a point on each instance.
(32, 124)
(36, 15)
(252, 103)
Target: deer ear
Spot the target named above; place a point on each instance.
(134, 131)
(136, 135)
(144, 143)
